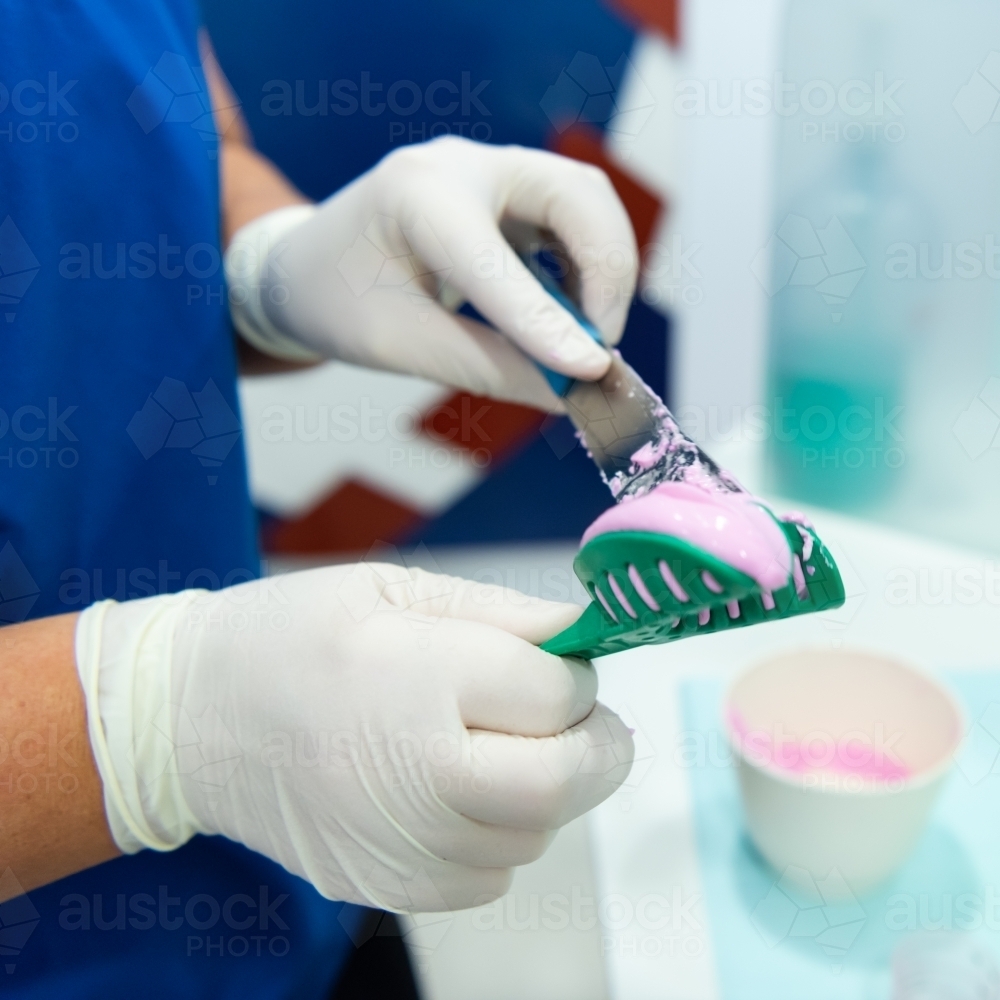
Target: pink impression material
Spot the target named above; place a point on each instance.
(733, 527)
(843, 757)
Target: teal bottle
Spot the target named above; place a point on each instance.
(841, 335)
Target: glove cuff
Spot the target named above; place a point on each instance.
(246, 261)
(123, 658)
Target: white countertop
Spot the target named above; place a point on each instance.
(912, 598)
(643, 840)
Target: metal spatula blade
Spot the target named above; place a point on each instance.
(620, 416)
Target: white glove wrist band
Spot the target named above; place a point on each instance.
(125, 672)
(246, 260)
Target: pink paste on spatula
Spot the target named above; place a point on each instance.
(707, 507)
(732, 527)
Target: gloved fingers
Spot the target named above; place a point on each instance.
(507, 685)
(486, 271)
(447, 197)
(433, 887)
(512, 375)
(418, 336)
(462, 886)
(370, 586)
(543, 783)
(481, 637)
(497, 679)
(459, 840)
(579, 204)
(438, 595)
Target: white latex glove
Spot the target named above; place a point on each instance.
(393, 736)
(355, 278)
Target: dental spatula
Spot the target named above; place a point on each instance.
(647, 587)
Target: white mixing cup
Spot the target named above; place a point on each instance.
(840, 755)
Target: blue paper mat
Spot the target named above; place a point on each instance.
(773, 942)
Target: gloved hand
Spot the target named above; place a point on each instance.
(393, 736)
(356, 278)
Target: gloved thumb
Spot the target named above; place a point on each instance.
(437, 595)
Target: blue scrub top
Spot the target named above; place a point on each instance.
(122, 470)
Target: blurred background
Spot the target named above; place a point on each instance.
(328, 90)
(812, 188)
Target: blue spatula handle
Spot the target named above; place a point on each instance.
(560, 383)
